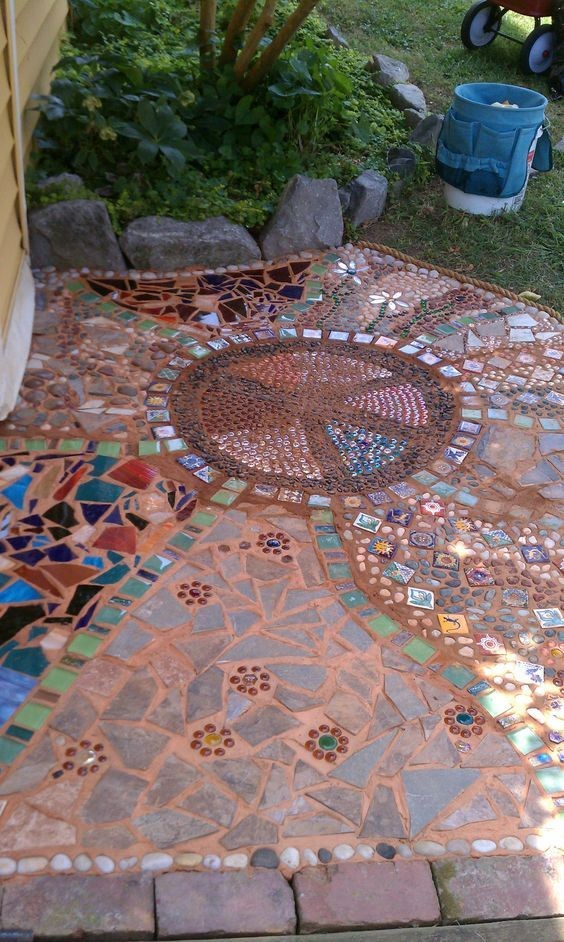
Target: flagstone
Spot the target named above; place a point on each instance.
(263, 569)
(118, 837)
(205, 694)
(436, 696)
(251, 831)
(308, 676)
(385, 716)
(169, 714)
(134, 698)
(345, 801)
(75, 716)
(32, 771)
(203, 651)
(306, 775)
(310, 568)
(403, 697)
(428, 792)
(503, 802)
(429, 724)
(242, 620)
(536, 811)
(162, 611)
(438, 751)
(129, 641)
(356, 636)
(59, 798)
(259, 648)
(399, 662)
(208, 618)
(30, 829)
(296, 701)
(383, 818)
(347, 711)
(113, 798)
(477, 809)
(317, 824)
(358, 768)
(276, 790)
(242, 776)
(516, 783)
(270, 595)
(167, 828)
(492, 751)
(174, 777)
(405, 744)
(209, 802)
(263, 723)
(101, 676)
(136, 747)
(278, 751)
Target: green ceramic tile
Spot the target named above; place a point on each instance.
(552, 780)
(58, 679)
(18, 732)
(71, 444)
(500, 414)
(322, 516)
(175, 444)
(458, 675)
(235, 484)
(180, 541)
(425, 478)
(471, 413)
(225, 498)
(109, 449)
(146, 325)
(525, 740)
(443, 489)
(85, 645)
(494, 703)
(157, 563)
(203, 519)
(523, 421)
(328, 541)
(148, 448)
(33, 715)
(127, 316)
(383, 625)
(3, 444)
(75, 286)
(338, 571)
(109, 615)
(108, 307)
(354, 598)
(35, 444)
(419, 650)
(168, 332)
(463, 497)
(9, 750)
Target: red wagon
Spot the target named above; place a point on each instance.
(482, 24)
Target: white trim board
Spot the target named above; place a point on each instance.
(14, 351)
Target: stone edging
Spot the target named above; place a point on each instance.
(336, 898)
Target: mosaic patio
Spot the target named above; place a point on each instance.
(281, 573)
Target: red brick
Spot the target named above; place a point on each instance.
(114, 907)
(365, 896)
(203, 905)
(488, 888)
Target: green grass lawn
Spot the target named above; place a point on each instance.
(520, 251)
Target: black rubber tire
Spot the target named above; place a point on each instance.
(466, 28)
(529, 67)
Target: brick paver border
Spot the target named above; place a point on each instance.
(336, 898)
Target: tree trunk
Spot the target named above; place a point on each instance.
(282, 38)
(239, 19)
(258, 31)
(207, 32)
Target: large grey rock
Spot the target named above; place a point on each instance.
(426, 133)
(164, 244)
(387, 71)
(412, 117)
(366, 197)
(308, 216)
(62, 181)
(405, 95)
(74, 234)
(336, 37)
(403, 161)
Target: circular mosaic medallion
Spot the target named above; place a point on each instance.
(322, 416)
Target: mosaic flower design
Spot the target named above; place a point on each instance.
(84, 757)
(275, 543)
(464, 721)
(349, 269)
(194, 593)
(211, 741)
(250, 680)
(389, 301)
(327, 742)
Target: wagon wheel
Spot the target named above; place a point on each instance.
(537, 52)
(481, 24)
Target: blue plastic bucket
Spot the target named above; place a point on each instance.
(485, 152)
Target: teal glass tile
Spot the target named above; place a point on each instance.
(523, 421)
(18, 732)
(495, 703)
(109, 449)
(464, 497)
(354, 598)
(203, 519)
(109, 615)
(552, 780)
(501, 414)
(419, 650)
(9, 750)
(525, 740)
(383, 625)
(98, 492)
(328, 541)
(113, 575)
(181, 541)
(339, 571)
(157, 563)
(425, 478)
(135, 587)
(471, 413)
(148, 448)
(443, 489)
(458, 675)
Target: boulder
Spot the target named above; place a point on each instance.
(412, 117)
(367, 197)
(403, 161)
(74, 234)
(160, 243)
(387, 71)
(61, 181)
(405, 95)
(308, 216)
(336, 37)
(426, 133)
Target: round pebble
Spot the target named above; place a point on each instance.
(386, 851)
(7, 866)
(235, 861)
(405, 851)
(458, 847)
(484, 846)
(82, 863)
(105, 864)
(60, 862)
(188, 860)
(429, 848)
(290, 857)
(511, 843)
(309, 857)
(126, 863)
(538, 841)
(156, 861)
(365, 851)
(265, 857)
(343, 852)
(325, 856)
(32, 864)
(212, 861)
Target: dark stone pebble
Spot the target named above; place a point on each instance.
(386, 851)
(325, 856)
(265, 857)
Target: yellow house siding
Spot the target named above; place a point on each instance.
(39, 24)
(11, 243)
